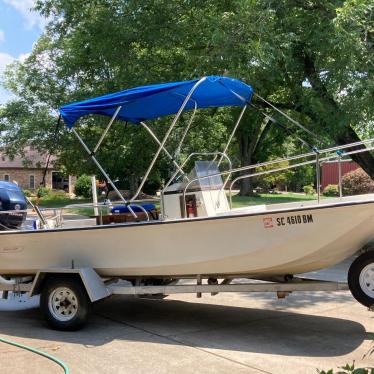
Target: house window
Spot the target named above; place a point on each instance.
(32, 182)
(6, 177)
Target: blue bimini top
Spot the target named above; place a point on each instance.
(153, 101)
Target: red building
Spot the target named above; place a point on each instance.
(330, 171)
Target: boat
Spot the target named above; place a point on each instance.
(291, 239)
(197, 233)
(259, 240)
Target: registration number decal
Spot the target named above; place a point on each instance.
(299, 219)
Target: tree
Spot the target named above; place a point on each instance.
(329, 85)
(293, 52)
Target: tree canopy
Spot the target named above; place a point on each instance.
(313, 59)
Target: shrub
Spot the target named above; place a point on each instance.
(309, 190)
(357, 182)
(349, 369)
(43, 191)
(83, 186)
(57, 195)
(352, 369)
(27, 193)
(331, 190)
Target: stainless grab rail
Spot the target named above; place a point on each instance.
(223, 155)
(193, 154)
(317, 161)
(292, 158)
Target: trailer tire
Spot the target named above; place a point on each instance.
(361, 279)
(64, 303)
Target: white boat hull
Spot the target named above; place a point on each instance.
(284, 239)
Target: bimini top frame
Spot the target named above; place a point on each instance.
(149, 102)
(154, 101)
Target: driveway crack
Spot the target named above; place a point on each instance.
(174, 340)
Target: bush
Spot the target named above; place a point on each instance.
(357, 182)
(83, 186)
(43, 191)
(57, 195)
(27, 193)
(331, 190)
(309, 190)
(349, 369)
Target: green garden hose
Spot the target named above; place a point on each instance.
(46, 355)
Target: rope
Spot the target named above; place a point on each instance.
(36, 351)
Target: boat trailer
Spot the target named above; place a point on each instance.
(97, 288)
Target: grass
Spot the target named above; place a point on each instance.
(266, 198)
(238, 201)
(50, 202)
(47, 202)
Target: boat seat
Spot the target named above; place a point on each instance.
(149, 208)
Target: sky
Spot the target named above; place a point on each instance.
(19, 29)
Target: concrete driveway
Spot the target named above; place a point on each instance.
(227, 333)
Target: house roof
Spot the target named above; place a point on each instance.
(29, 159)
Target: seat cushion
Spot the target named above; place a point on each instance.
(135, 208)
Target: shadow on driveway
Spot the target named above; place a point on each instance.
(299, 299)
(199, 325)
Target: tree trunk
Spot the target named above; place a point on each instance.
(246, 188)
(133, 184)
(346, 133)
(365, 159)
(249, 146)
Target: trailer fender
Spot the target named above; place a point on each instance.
(95, 287)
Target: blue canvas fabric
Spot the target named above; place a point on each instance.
(135, 208)
(150, 102)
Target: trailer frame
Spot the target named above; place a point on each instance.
(99, 288)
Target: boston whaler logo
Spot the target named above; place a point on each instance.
(10, 249)
(286, 221)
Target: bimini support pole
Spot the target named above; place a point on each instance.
(94, 195)
(291, 119)
(318, 174)
(155, 157)
(340, 173)
(233, 132)
(163, 148)
(107, 129)
(178, 150)
(92, 155)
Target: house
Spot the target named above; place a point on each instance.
(28, 169)
(330, 171)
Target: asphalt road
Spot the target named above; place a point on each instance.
(227, 333)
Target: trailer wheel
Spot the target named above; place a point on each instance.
(361, 279)
(64, 304)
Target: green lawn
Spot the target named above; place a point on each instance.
(238, 201)
(48, 202)
(58, 203)
(266, 198)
